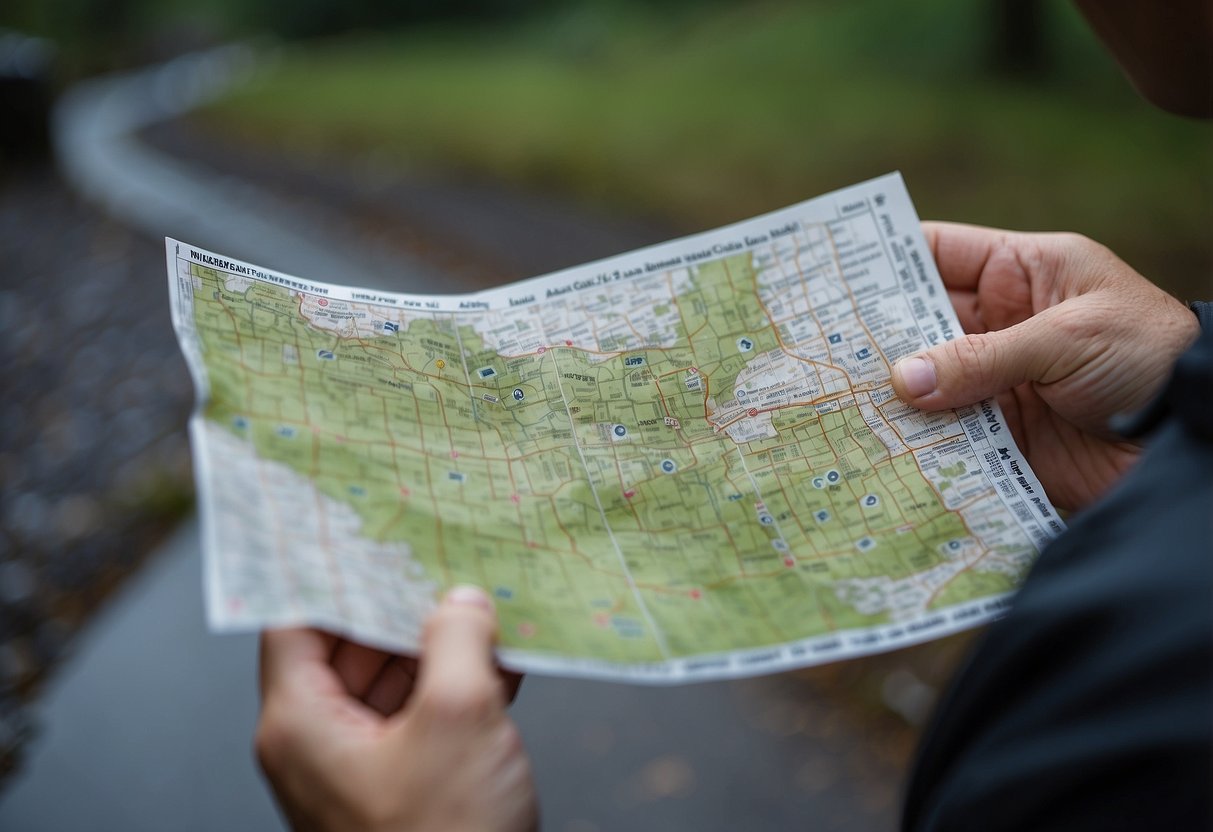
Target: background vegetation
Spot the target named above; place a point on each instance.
(701, 114)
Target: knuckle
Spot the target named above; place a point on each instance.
(1081, 323)
(1030, 253)
(1075, 240)
(1078, 253)
(1075, 245)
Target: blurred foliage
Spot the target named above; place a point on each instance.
(704, 112)
(101, 34)
(702, 115)
(96, 35)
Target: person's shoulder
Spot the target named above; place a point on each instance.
(1087, 706)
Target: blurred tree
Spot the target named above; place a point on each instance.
(1018, 39)
(312, 18)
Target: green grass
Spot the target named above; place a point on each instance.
(702, 117)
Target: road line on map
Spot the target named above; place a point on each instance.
(658, 636)
(463, 359)
(761, 499)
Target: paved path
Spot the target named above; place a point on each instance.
(98, 151)
(148, 726)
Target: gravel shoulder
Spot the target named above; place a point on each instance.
(93, 401)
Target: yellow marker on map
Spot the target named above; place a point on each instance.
(440, 363)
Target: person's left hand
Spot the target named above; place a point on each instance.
(353, 738)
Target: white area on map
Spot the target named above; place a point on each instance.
(348, 582)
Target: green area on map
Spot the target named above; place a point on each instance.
(590, 493)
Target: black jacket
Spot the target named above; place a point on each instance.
(1090, 706)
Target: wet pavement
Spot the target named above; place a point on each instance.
(147, 726)
(93, 398)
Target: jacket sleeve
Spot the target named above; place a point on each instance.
(1090, 705)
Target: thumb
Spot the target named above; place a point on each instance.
(458, 676)
(971, 368)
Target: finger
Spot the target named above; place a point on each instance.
(284, 651)
(458, 675)
(358, 665)
(962, 251)
(967, 311)
(393, 686)
(971, 368)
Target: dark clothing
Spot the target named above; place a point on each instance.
(1090, 706)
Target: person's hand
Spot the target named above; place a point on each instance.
(1064, 334)
(353, 738)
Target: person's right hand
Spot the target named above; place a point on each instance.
(1064, 334)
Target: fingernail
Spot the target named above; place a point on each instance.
(468, 594)
(917, 376)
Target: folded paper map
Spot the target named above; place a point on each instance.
(685, 462)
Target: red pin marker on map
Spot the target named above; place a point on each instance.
(322, 302)
(696, 594)
(788, 562)
(630, 493)
(753, 411)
